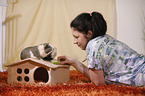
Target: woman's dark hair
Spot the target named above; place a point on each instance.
(93, 22)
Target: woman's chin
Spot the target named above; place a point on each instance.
(82, 48)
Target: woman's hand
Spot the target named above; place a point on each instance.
(67, 60)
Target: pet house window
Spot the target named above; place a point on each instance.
(26, 78)
(41, 75)
(19, 78)
(26, 71)
(19, 70)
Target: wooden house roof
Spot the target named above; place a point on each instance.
(34, 61)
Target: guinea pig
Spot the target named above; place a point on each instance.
(43, 51)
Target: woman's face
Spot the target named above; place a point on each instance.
(80, 39)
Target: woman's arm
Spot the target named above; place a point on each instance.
(82, 69)
(96, 76)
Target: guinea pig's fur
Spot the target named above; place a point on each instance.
(43, 51)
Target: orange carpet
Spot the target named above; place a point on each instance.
(78, 85)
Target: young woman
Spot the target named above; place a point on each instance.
(109, 60)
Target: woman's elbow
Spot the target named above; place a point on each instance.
(99, 83)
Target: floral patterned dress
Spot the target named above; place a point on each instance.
(119, 62)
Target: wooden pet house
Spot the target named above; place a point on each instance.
(33, 71)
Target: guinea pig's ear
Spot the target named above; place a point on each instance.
(46, 45)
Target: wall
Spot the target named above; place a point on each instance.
(130, 22)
